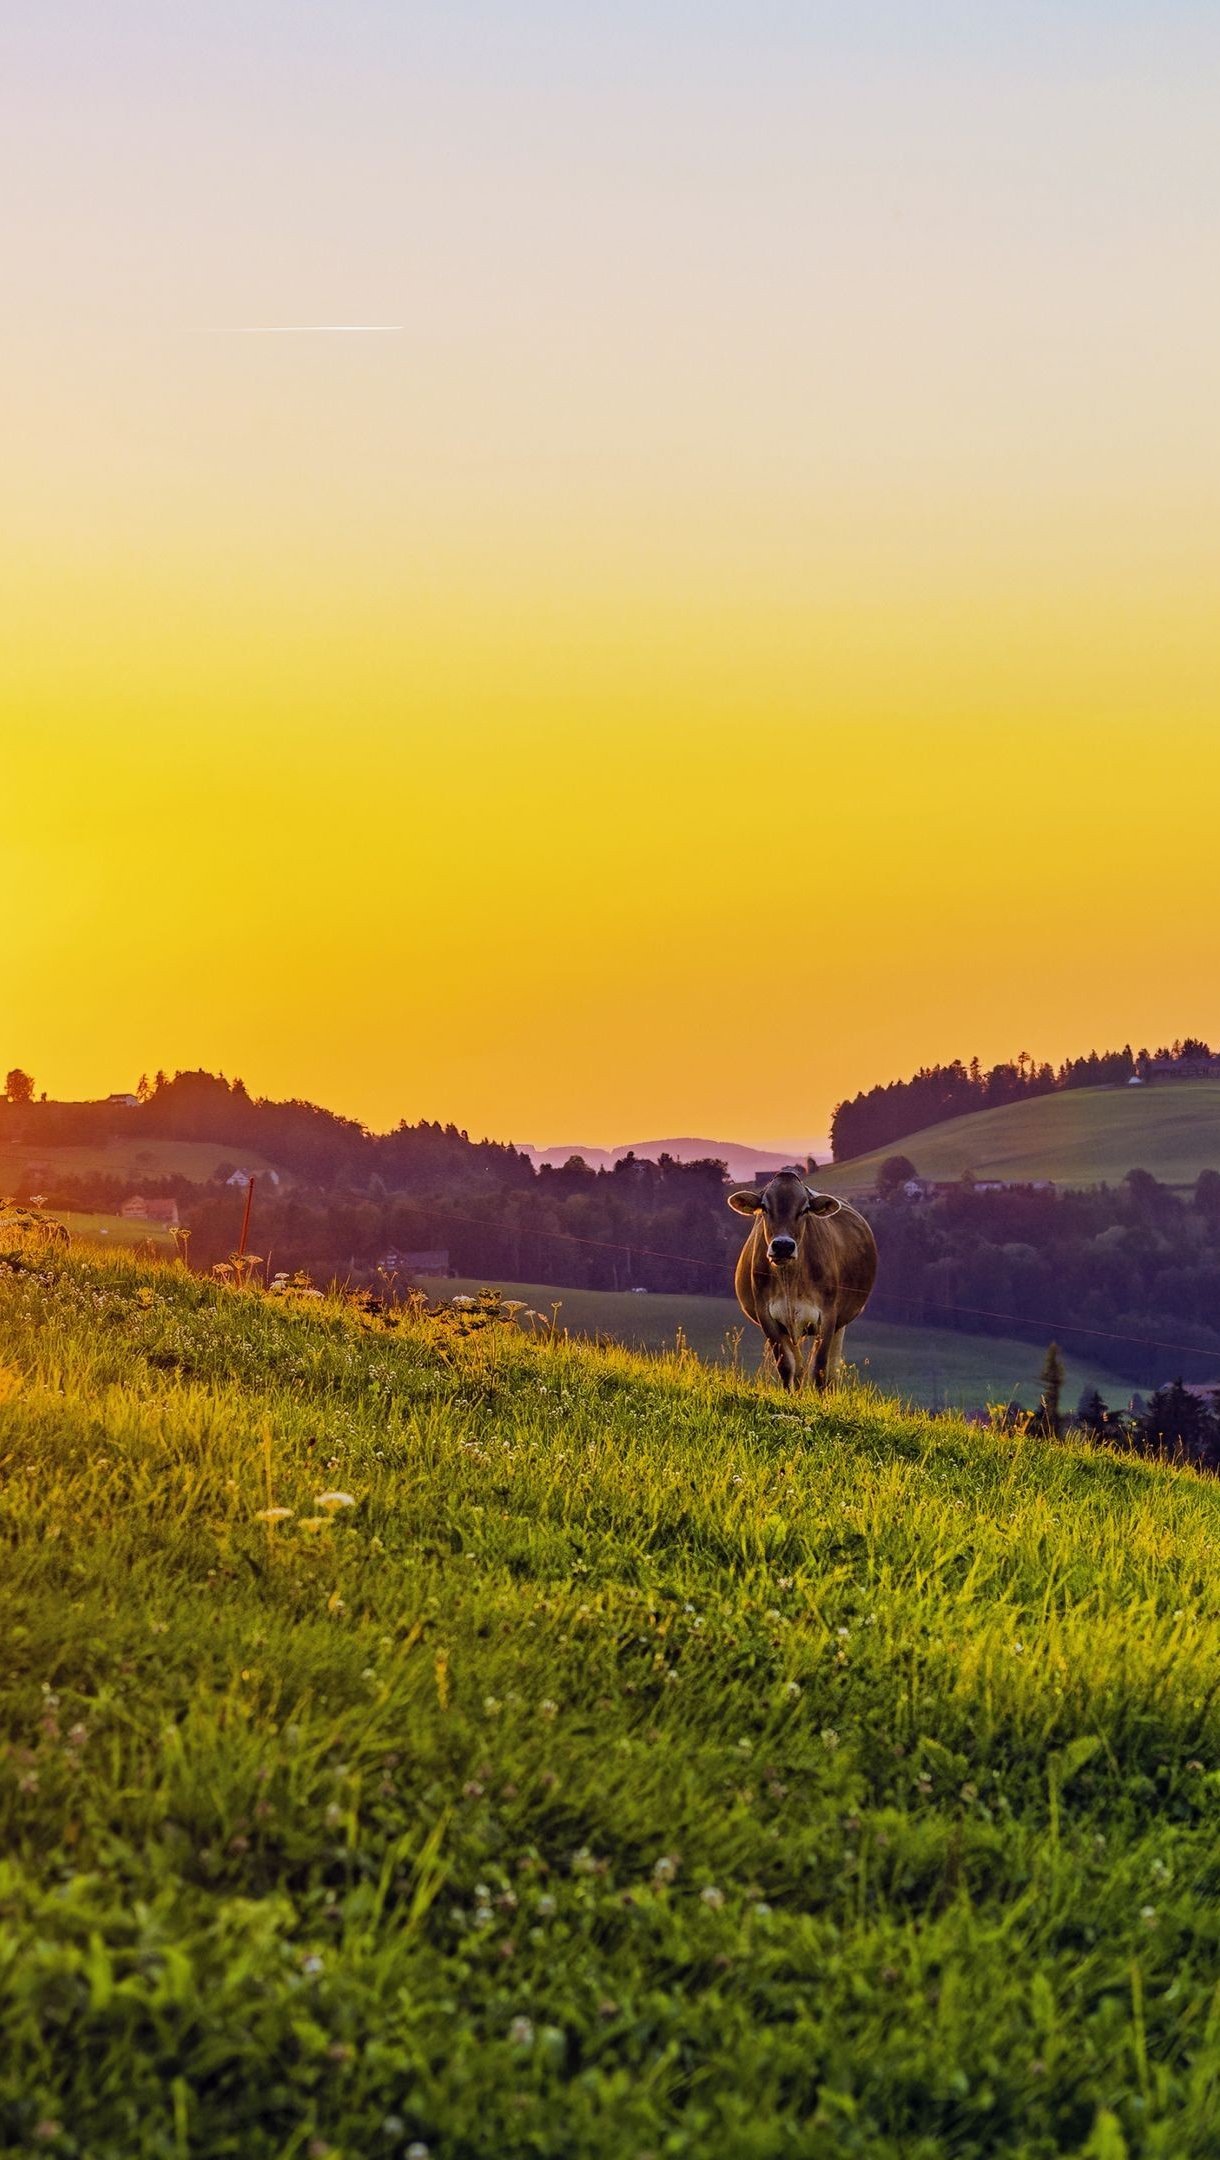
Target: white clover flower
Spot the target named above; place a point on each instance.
(521, 2031)
(492, 1706)
(417, 2150)
(665, 1869)
(792, 1688)
(547, 1708)
(712, 1897)
(546, 1907)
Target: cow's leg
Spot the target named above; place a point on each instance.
(834, 1356)
(787, 1360)
(827, 1356)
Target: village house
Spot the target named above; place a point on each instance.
(138, 1209)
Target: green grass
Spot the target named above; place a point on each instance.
(643, 1764)
(1086, 1136)
(130, 1159)
(930, 1367)
(114, 1229)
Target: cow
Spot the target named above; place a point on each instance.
(806, 1269)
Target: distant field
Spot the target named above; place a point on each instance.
(195, 1159)
(931, 1367)
(113, 1229)
(1086, 1136)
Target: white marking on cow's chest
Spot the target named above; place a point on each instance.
(789, 1310)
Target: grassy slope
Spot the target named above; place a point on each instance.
(1086, 1136)
(116, 1229)
(322, 1840)
(926, 1366)
(196, 1159)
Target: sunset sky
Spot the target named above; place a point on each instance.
(607, 572)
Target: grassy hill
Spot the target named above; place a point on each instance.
(486, 1746)
(1085, 1136)
(141, 1158)
(929, 1367)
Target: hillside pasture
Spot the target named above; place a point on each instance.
(1084, 1136)
(104, 1229)
(131, 1160)
(474, 1745)
(930, 1367)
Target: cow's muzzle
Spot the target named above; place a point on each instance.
(781, 1249)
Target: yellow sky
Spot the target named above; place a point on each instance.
(751, 629)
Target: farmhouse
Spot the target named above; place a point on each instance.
(138, 1209)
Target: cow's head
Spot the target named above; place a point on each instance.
(784, 1205)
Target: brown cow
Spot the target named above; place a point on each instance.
(806, 1268)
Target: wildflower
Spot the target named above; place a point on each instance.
(830, 1738)
(665, 1869)
(923, 1783)
(547, 1708)
(712, 1897)
(274, 1514)
(583, 1862)
(311, 1964)
(491, 1706)
(792, 1688)
(77, 1735)
(472, 1790)
(761, 1910)
(334, 1500)
(333, 1816)
(843, 1633)
(745, 1747)
(335, 1604)
(417, 2150)
(1148, 1915)
(521, 2031)
(28, 1782)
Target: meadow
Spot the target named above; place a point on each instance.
(431, 1741)
(115, 1229)
(929, 1367)
(1084, 1136)
(141, 1157)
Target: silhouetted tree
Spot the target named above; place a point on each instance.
(18, 1086)
(895, 1171)
(1050, 1380)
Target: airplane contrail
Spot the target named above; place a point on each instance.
(325, 329)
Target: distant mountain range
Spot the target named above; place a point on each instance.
(743, 1162)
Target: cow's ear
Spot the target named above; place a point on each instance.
(822, 1203)
(745, 1203)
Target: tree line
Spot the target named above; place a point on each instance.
(878, 1116)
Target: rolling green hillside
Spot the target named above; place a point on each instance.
(194, 1159)
(930, 1367)
(417, 1743)
(1084, 1136)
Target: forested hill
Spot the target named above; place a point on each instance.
(894, 1109)
(315, 1144)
